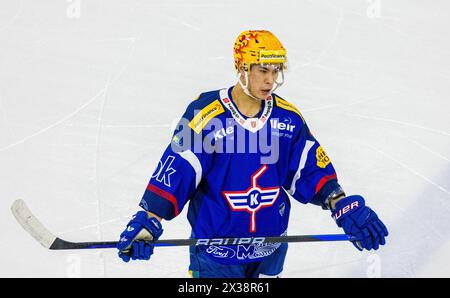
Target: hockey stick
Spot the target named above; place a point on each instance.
(36, 229)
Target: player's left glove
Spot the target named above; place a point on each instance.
(360, 223)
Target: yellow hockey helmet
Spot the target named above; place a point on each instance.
(258, 46)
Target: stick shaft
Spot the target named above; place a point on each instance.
(62, 244)
(38, 231)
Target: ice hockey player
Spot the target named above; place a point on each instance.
(238, 156)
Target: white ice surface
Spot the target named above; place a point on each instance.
(89, 90)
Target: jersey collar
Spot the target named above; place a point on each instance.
(251, 124)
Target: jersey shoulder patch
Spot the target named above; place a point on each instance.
(206, 107)
(283, 104)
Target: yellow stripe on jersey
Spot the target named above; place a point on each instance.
(204, 116)
(287, 106)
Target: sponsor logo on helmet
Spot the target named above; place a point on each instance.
(267, 56)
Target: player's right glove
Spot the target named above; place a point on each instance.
(133, 241)
(360, 223)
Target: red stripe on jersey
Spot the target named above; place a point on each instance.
(325, 180)
(164, 194)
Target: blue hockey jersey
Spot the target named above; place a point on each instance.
(238, 173)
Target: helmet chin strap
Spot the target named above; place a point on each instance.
(245, 87)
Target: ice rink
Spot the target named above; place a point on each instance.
(89, 91)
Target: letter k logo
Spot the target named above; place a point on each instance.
(254, 199)
(164, 171)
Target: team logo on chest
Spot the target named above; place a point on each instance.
(252, 199)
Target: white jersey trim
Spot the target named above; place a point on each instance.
(301, 165)
(251, 124)
(192, 159)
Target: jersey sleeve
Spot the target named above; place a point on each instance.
(178, 173)
(311, 175)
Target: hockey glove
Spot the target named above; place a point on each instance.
(360, 222)
(133, 241)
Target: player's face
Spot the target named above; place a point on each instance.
(261, 79)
